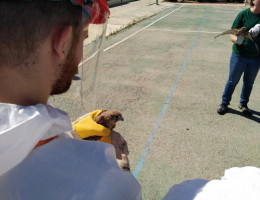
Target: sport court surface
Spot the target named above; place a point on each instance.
(166, 76)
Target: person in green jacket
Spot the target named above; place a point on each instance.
(245, 59)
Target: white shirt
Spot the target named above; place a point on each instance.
(64, 168)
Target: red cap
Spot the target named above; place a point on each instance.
(98, 9)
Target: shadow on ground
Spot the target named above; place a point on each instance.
(255, 117)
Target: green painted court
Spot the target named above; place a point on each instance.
(166, 76)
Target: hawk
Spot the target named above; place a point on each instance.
(239, 31)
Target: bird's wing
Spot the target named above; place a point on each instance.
(232, 31)
(248, 35)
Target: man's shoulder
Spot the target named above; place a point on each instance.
(73, 155)
(65, 168)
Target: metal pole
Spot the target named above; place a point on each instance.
(157, 2)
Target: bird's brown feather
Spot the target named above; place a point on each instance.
(240, 31)
(109, 118)
(236, 31)
(225, 32)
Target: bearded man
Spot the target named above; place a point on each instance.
(41, 45)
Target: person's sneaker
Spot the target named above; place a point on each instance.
(245, 110)
(222, 109)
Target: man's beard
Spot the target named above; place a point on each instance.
(68, 71)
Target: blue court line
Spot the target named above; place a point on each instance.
(150, 141)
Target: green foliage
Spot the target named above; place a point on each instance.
(221, 1)
(208, 1)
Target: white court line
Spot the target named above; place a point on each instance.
(172, 30)
(129, 36)
(150, 29)
(141, 29)
(90, 57)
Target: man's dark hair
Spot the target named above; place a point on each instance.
(25, 25)
(251, 3)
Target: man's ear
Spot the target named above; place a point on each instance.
(61, 40)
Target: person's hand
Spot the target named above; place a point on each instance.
(255, 30)
(239, 40)
(121, 149)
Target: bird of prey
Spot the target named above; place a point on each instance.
(239, 31)
(108, 119)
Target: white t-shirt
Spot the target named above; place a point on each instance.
(64, 168)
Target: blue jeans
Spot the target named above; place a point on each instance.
(237, 67)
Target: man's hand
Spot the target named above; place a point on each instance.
(255, 30)
(121, 149)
